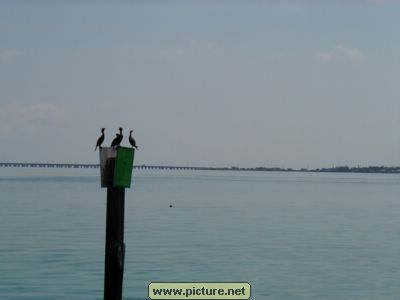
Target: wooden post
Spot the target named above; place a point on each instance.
(116, 172)
(115, 247)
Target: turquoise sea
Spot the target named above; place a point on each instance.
(290, 235)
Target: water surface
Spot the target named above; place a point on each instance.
(290, 235)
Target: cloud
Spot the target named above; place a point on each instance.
(382, 1)
(341, 54)
(188, 48)
(7, 55)
(16, 116)
(40, 113)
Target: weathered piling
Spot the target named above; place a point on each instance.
(116, 171)
(115, 247)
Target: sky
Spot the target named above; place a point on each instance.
(202, 83)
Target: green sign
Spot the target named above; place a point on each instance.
(123, 167)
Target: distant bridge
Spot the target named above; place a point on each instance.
(46, 165)
(94, 166)
(344, 169)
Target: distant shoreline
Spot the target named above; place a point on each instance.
(339, 169)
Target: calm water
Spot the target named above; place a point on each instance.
(291, 235)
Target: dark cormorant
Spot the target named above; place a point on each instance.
(100, 139)
(132, 140)
(118, 139)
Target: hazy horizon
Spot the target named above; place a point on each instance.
(166, 164)
(287, 84)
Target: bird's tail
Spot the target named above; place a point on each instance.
(95, 149)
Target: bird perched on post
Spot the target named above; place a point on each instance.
(118, 139)
(100, 140)
(132, 140)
